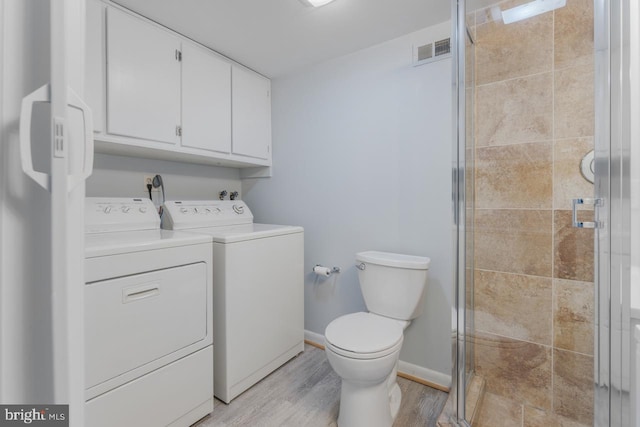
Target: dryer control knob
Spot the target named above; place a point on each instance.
(126, 209)
(239, 209)
(143, 210)
(184, 210)
(107, 209)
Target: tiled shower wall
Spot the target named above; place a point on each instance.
(533, 290)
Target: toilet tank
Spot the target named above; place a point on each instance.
(393, 285)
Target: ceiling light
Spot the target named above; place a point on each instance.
(315, 3)
(528, 10)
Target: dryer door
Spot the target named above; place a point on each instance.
(134, 320)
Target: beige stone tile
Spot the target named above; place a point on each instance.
(573, 386)
(513, 305)
(469, 62)
(573, 315)
(515, 369)
(515, 176)
(568, 182)
(469, 356)
(534, 417)
(515, 50)
(498, 411)
(574, 102)
(469, 126)
(514, 241)
(473, 398)
(573, 34)
(573, 247)
(515, 111)
(469, 246)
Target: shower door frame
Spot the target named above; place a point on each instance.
(459, 376)
(612, 241)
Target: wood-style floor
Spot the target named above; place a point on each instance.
(306, 392)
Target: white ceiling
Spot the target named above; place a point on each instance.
(275, 37)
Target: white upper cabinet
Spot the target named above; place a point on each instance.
(157, 94)
(251, 114)
(206, 100)
(143, 79)
(94, 56)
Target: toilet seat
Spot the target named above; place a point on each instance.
(364, 336)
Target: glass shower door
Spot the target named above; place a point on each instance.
(538, 306)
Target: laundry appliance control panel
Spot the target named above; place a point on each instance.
(179, 215)
(110, 214)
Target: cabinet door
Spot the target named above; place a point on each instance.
(143, 79)
(206, 100)
(94, 57)
(251, 114)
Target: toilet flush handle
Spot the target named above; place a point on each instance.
(361, 266)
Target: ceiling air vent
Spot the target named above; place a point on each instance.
(425, 52)
(443, 47)
(431, 52)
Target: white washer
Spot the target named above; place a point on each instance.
(258, 290)
(148, 318)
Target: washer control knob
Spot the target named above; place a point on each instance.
(107, 209)
(126, 209)
(184, 210)
(143, 210)
(239, 209)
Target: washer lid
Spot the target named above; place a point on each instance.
(394, 260)
(244, 232)
(364, 333)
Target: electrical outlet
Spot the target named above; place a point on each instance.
(148, 179)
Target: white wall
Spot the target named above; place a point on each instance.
(362, 159)
(116, 176)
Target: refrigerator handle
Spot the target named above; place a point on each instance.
(43, 94)
(87, 167)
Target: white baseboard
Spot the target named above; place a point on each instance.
(314, 337)
(425, 374)
(421, 373)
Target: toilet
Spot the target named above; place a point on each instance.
(363, 348)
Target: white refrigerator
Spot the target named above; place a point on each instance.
(46, 153)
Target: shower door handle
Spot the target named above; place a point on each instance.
(586, 201)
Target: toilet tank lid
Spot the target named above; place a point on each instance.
(394, 260)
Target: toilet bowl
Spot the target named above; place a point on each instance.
(363, 348)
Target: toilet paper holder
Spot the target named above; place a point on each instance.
(321, 270)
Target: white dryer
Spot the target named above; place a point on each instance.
(148, 318)
(258, 290)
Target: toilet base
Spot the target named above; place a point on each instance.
(395, 397)
(370, 406)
